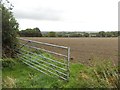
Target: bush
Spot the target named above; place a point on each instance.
(9, 33)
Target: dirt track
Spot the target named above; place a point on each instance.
(84, 49)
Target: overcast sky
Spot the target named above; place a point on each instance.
(67, 15)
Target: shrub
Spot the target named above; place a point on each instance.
(9, 33)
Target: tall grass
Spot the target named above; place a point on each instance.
(106, 72)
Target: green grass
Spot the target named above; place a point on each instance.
(21, 76)
(99, 74)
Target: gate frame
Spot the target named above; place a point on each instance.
(52, 52)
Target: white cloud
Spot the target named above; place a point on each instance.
(80, 15)
(41, 14)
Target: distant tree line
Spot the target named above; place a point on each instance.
(35, 32)
(82, 34)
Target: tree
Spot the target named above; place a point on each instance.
(52, 34)
(102, 34)
(115, 33)
(35, 32)
(109, 34)
(86, 34)
(9, 32)
(59, 35)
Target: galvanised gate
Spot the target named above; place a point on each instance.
(45, 57)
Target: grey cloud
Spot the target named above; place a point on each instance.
(38, 14)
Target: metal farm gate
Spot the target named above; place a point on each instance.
(52, 60)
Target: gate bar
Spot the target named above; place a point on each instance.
(45, 43)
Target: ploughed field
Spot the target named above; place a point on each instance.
(84, 49)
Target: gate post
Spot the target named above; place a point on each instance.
(68, 64)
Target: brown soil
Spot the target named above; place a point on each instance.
(85, 49)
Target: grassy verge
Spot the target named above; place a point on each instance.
(98, 75)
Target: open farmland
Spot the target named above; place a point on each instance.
(85, 49)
